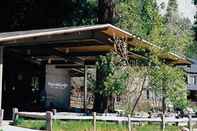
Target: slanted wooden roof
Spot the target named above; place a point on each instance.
(85, 42)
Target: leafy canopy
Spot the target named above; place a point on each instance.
(114, 76)
(169, 82)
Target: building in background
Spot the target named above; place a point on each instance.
(192, 81)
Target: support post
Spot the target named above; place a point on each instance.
(85, 87)
(1, 116)
(54, 111)
(163, 122)
(1, 74)
(49, 120)
(129, 123)
(14, 114)
(94, 121)
(190, 122)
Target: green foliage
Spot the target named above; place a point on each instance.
(19, 121)
(114, 75)
(169, 32)
(82, 12)
(116, 82)
(171, 10)
(173, 33)
(137, 16)
(169, 82)
(195, 24)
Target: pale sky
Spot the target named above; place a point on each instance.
(185, 7)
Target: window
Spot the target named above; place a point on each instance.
(148, 94)
(192, 80)
(195, 80)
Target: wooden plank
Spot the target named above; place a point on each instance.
(80, 116)
(32, 115)
(14, 114)
(49, 120)
(85, 87)
(94, 121)
(93, 48)
(69, 114)
(1, 116)
(59, 44)
(1, 74)
(46, 35)
(65, 117)
(129, 123)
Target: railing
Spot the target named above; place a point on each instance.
(49, 116)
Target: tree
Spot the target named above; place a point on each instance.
(106, 11)
(104, 96)
(192, 49)
(113, 83)
(37, 14)
(31, 14)
(195, 23)
(143, 18)
(111, 77)
(172, 11)
(169, 84)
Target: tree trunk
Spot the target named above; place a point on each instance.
(106, 11)
(138, 98)
(110, 104)
(163, 105)
(163, 97)
(103, 103)
(98, 103)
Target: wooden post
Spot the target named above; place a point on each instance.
(85, 87)
(54, 111)
(94, 121)
(1, 116)
(129, 123)
(190, 122)
(49, 120)
(14, 114)
(1, 74)
(163, 122)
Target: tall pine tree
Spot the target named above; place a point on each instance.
(177, 32)
(195, 23)
(172, 10)
(103, 102)
(106, 11)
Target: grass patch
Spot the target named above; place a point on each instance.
(87, 126)
(156, 128)
(32, 124)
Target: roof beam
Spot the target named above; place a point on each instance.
(46, 39)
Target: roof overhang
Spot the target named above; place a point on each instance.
(85, 41)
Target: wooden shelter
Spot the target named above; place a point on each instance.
(73, 47)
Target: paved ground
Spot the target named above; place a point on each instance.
(6, 127)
